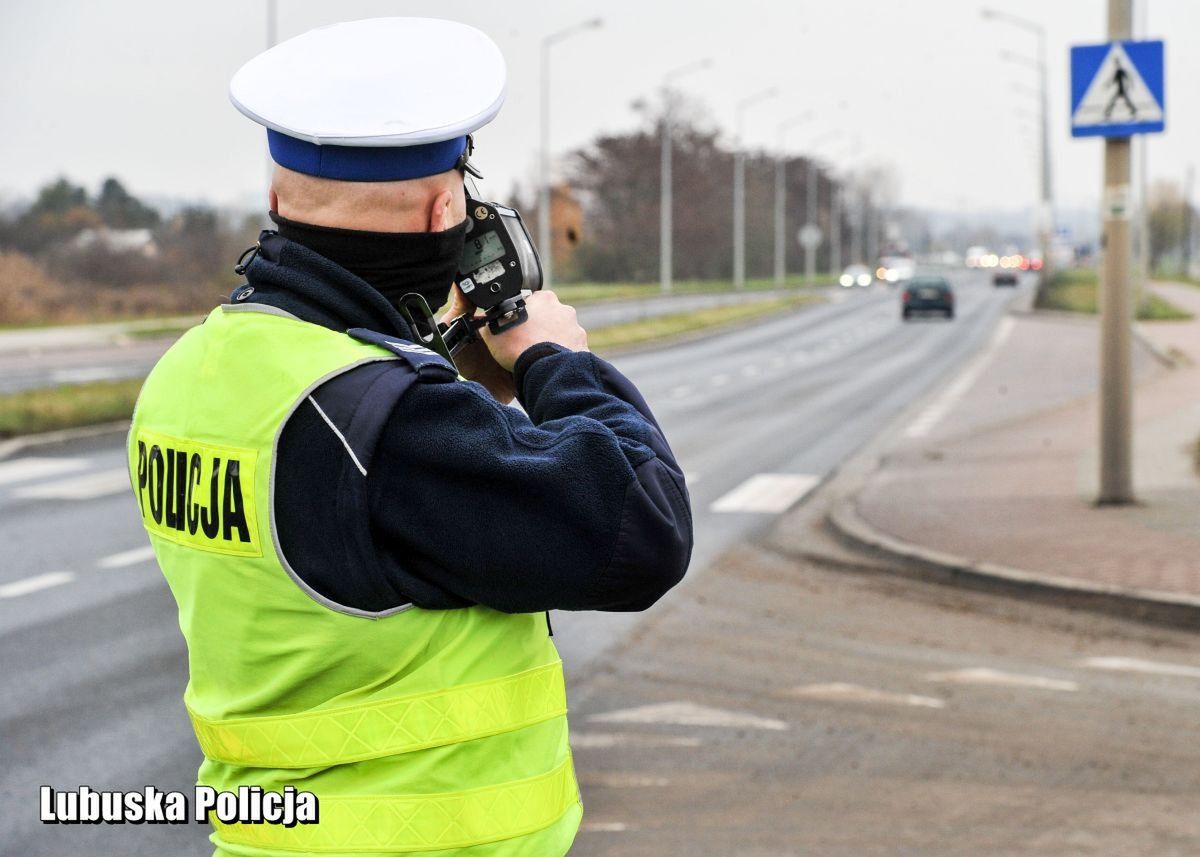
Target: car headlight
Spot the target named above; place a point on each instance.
(846, 280)
(864, 279)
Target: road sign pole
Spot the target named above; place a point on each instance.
(1116, 375)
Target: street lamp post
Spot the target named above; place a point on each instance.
(781, 194)
(1046, 213)
(666, 194)
(810, 195)
(739, 187)
(544, 240)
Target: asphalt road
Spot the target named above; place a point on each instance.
(36, 358)
(92, 662)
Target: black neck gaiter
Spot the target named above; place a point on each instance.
(394, 263)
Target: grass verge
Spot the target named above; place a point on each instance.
(70, 406)
(666, 327)
(582, 293)
(77, 405)
(1078, 291)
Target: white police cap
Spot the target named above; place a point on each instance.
(383, 99)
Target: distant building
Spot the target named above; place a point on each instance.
(117, 240)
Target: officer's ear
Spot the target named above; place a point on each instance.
(273, 199)
(441, 212)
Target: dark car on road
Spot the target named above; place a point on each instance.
(928, 295)
(1004, 278)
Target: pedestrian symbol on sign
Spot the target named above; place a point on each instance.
(1117, 89)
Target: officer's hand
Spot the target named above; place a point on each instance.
(549, 321)
(474, 361)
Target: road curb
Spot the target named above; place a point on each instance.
(11, 447)
(1142, 605)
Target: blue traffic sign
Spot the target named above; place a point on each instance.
(1117, 89)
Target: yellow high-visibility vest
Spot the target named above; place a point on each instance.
(418, 730)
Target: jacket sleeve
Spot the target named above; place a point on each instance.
(577, 504)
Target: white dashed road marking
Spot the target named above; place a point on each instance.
(603, 827)
(769, 493)
(998, 678)
(1138, 665)
(842, 692)
(24, 469)
(127, 558)
(607, 740)
(87, 487)
(35, 584)
(619, 780)
(689, 714)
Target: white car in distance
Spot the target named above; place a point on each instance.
(855, 275)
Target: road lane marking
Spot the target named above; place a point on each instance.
(769, 493)
(680, 391)
(35, 584)
(752, 370)
(624, 780)
(689, 714)
(88, 487)
(25, 469)
(603, 827)
(999, 678)
(720, 379)
(839, 691)
(127, 558)
(1139, 665)
(608, 740)
(936, 411)
(84, 374)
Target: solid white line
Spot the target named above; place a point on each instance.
(24, 469)
(35, 584)
(839, 691)
(1139, 665)
(340, 436)
(87, 487)
(999, 678)
(949, 397)
(127, 558)
(769, 493)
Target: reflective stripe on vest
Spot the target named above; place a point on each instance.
(338, 736)
(430, 822)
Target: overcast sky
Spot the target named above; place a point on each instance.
(138, 88)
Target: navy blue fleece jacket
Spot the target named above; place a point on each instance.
(575, 504)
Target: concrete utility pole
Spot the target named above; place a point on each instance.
(781, 196)
(666, 200)
(811, 192)
(739, 187)
(544, 239)
(1116, 306)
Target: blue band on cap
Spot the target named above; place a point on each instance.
(365, 163)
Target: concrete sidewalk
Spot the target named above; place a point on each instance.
(999, 471)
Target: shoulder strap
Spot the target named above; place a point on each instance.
(426, 363)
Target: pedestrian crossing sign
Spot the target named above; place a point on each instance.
(1117, 89)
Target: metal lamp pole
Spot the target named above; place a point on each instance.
(1046, 215)
(666, 196)
(739, 187)
(781, 193)
(810, 194)
(544, 240)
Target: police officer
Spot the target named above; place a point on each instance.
(362, 543)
